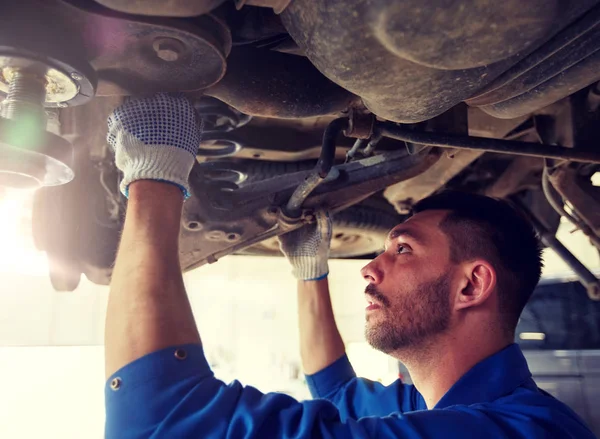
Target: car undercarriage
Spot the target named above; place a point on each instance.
(360, 107)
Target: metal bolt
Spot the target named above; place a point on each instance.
(233, 237)
(25, 99)
(168, 49)
(115, 384)
(76, 76)
(193, 226)
(180, 354)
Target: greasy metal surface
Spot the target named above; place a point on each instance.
(69, 80)
(404, 194)
(360, 126)
(515, 176)
(59, 86)
(580, 154)
(250, 214)
(562, 66)
(548, 238)
(164, 8)
(321, 170)
(410, 63)
(271, 84)
(25, 99)
(580, 193)
(118, 46)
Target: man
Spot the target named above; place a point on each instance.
(444, 298)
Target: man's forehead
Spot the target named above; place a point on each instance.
(419, 226)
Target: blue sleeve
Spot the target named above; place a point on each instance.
(170, 394)
(358, 397)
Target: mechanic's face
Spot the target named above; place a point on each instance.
(409, 285)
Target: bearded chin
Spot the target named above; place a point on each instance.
(413, 319)
(386, 338)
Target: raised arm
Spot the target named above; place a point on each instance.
(148, 308)
(320, 340)
(307, 250)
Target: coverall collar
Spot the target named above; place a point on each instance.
(490, 379)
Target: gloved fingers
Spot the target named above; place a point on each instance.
(297, 237)
(324, 225)
(161, 119)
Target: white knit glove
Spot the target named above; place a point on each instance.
(307, 248)
(155, 138)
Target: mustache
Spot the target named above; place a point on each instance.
(372, 291)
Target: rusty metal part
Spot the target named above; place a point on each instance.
(360, 125)
(565, 64)
(548, 238)
(162, 8)
(404, 194)
(65, 83)
(444, 140)
(409, 63)
(516, 176)
(483, 125)
(168, 49)
(59, 87)
(278, 6)
(119, 47)
(278, 85)
(458, 120)
(293, 207)
(25, 99)
(254, 211)
(280, 142)
(583, 197)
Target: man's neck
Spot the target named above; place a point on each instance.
(436, 367)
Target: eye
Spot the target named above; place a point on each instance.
(403, 248)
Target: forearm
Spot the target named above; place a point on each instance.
(320, 340)
(148, 308)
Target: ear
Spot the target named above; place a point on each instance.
(478, 282)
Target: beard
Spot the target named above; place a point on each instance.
(414, 317)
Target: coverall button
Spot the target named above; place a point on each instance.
(115, 384)
(180, 354)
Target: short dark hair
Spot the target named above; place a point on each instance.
(492, 229)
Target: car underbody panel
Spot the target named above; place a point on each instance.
(360, 107)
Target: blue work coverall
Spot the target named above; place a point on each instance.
(172, 393)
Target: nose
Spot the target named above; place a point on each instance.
(371, 272)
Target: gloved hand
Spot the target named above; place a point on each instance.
(307, 248)
(155, 138)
